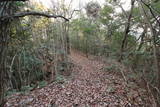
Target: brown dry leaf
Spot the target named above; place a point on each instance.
(87, 88)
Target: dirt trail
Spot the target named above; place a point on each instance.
(89, 87)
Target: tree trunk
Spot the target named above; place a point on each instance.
(142, 38)
(4, 37)
(155, 50)
(124, 41)
(3, 49)
(68, 39)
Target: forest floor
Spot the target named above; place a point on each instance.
(88, 87)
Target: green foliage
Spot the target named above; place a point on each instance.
(106, 13)
(37, 42)
(156, 5)
(104, 36)
(137, 15)
(60, 79)
(111, 68)
(28, 62)
(26, 88)
(10, 92)
(42, 84)
(18, 4)
(142, 64)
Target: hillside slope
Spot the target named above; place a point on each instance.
(89, 87)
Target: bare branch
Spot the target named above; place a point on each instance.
(73, 13)
(11, 0)
(23, 14)
(151, 10)
(125, 13)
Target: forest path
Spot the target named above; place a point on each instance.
(89, 87)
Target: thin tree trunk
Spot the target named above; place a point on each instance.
(142, 39)
(68, 39)
(124, 41)
(155, 50)
(3, 49)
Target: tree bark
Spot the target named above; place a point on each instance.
(142, 38)
(4, 33)
(12, 0)
(33, 13)
(155, 48)
(67, 38)
(124, 41)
